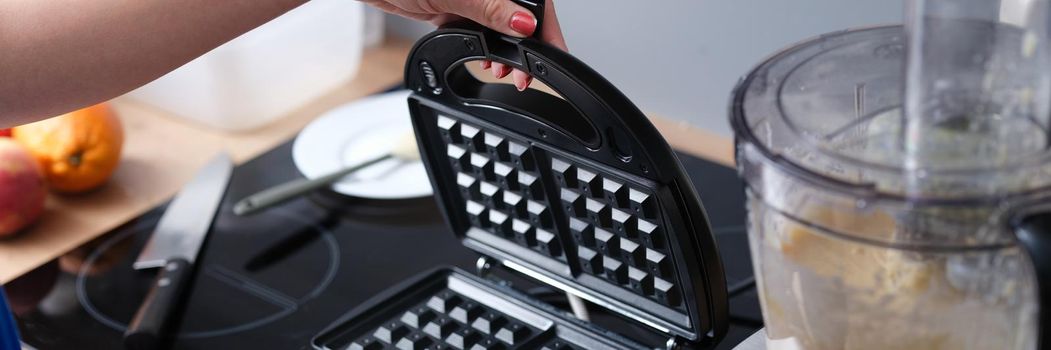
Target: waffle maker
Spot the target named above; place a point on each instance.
(580, 193)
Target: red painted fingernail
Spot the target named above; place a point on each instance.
(522, 85)
(486, 64)
(523, 22)
(504, 71)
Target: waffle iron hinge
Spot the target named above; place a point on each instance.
(484, 268)
(674, 343)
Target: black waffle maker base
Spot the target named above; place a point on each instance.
(577, 191)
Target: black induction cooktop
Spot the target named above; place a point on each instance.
(273, 280)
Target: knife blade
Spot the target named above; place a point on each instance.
(173, 247)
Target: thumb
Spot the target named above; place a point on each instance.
(501, 15)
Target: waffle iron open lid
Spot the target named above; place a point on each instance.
(579, 192)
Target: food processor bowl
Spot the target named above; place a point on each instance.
(862, 240)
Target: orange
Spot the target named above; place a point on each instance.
(78, 151)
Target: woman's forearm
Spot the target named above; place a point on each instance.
(56, 56)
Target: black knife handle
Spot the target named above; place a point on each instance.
(152, 322)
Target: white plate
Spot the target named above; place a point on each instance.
(356, 132)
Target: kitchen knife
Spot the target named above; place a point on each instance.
(173, 247)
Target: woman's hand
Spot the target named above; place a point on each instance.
(85, 54)
(501, 15)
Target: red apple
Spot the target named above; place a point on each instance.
(22, 188)
(5, 132)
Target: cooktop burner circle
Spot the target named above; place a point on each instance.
(284, 305)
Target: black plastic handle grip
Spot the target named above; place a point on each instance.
(151, 326)
(537, 8)
(592, 112)
(1034, 235)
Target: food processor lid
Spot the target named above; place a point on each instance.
(831, 109)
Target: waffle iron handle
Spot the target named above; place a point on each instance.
(594, 113)
(537, 8)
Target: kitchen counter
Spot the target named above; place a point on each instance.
(162, 152)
